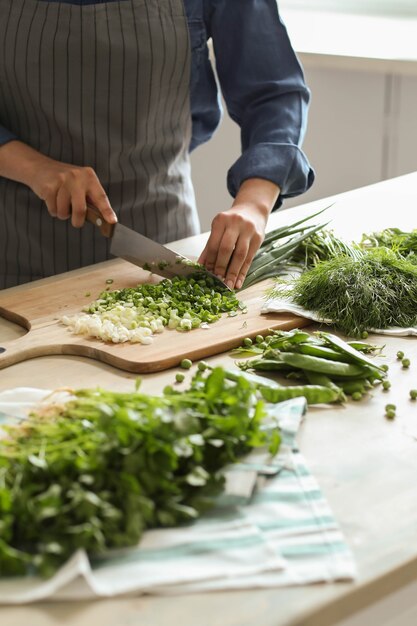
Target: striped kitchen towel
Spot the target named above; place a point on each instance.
(271, 527)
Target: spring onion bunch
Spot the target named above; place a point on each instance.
(322, 246)
(277, 251)
(135, 314)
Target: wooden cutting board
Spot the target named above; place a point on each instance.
(38, 308)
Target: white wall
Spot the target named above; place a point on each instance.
(362, 129)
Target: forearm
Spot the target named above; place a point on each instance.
(259, 193)
(18, 162)
(65, 188)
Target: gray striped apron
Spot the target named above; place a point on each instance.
(104, 85)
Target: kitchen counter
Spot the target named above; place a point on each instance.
(366, 466)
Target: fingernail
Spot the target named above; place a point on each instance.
(219, 276)
(239, 283)
(229, 283)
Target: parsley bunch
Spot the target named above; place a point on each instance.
(95, 472)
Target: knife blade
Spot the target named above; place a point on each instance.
(131, 246)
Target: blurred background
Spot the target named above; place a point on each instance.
(360, 62)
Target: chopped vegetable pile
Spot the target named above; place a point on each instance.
(324, 366)
(135, 314)
(95, 472)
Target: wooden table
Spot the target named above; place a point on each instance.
(366, 466)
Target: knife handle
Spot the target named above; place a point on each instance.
(94, 216)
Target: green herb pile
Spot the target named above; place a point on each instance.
(323, 367)
(376, 290)
(97, 471)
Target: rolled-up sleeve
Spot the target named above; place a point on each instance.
(6, 135)
(265, 93)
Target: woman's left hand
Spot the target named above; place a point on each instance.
(237, 234)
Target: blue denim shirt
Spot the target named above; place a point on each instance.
(262, 84)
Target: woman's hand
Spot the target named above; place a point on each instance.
(65, 188)
(237, 234)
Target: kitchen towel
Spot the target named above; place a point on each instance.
(271, 527)
(284, 305)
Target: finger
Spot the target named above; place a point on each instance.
(203, 256)
(212, 247)
(78, 207)
(253, 248)
(63, 204)
(236, 263)
(226, 249)
(99, 198)
(50, 202)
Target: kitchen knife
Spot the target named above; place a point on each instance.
(142, 251)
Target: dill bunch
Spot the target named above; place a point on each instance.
(376, 289)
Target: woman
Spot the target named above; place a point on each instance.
(102, 101)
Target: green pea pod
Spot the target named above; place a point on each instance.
(362, 346)
(322, 352)
(324, 381)
(267, 365)
(314, 394)
(353, 386)
(339, 344)
(292, 336)
(322, 366)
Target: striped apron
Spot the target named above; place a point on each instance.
(103, 85)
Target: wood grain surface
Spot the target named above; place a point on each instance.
(40, 307)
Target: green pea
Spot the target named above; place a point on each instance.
(247, 342)
(413, 394)
(186, 364)
(202, 366)
(390, 407)
(356, 395)
(406, 363)
(364, 335)
(179, 377)
(390, 415)
(259, 339)
(385, 367)
(386, 385)
(400, 355)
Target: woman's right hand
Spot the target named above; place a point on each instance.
(65, 188)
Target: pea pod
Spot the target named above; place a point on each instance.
(267, 365)
(322, 352)
(339, 344)
(314, 394)
(324, 381)
(292, 336)
(322, 366)
(362, 346)
(353, 386)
